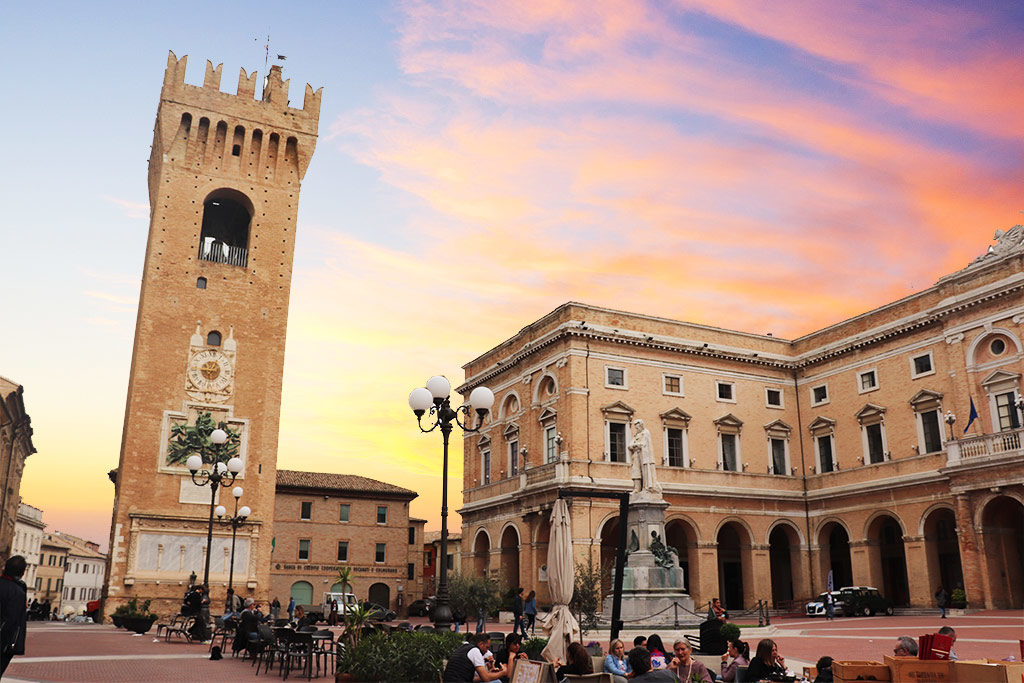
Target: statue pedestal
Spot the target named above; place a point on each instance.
(649, 588)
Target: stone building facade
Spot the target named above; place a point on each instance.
(53, 558)
(15, 447)
(325, 522)
(28, 540)
(224, 181)
(83, 573)
(781, 460)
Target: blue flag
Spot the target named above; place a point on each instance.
(972, 417)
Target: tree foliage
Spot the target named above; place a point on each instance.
(187, 439)
(585, 602)
(468, 594)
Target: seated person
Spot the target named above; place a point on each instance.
(717, 611)
(951, 632)
(512, 650)
(578, 664)
(640, 663)
(616, 662)
(824, 668)
(767, 663)
(740, 654)
(905, 647)
(468, 660)
(658, 658)
(686, 667)
(302, 620)
(640, 641)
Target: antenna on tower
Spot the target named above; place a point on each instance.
(266, 53)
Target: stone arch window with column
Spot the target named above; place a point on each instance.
(823, 430)
(872, 434)
(675, 426)
(777, 434)
(927, 407)
(729, 454)
(617, 417)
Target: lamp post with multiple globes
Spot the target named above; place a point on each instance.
(235, 521)
(435, 399)
(218, 475)
(950, 420)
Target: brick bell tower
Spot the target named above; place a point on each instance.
(224, 178)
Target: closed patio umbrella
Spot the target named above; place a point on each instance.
(560, 625)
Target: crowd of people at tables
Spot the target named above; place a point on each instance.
(647, 661)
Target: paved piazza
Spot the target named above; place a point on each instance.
(71, 652)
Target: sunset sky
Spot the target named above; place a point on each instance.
(761, 166)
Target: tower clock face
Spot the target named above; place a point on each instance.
(210, 370)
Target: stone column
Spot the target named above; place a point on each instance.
(707, 552)
(915, 555)
(757, 575)
(864, 564)
(971, 558)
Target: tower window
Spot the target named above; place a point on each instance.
(225, 231)
(201, 283)
(236, 150)
(213, 339)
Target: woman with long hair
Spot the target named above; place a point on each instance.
(578, 664)
(616, 662)
(657, 650)
(767, 662)
(530, 613)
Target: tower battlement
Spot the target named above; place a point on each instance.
(241, 136)
(275, 89)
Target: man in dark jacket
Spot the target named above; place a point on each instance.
(13, 615)
(517, 613)
(469, 659)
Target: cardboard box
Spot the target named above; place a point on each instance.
(914, 670)
(978, 672)
(989, 671)
(860, 671)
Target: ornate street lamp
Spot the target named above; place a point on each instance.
(235, 521)
(434, 398)
(950, 419)
(219, 475)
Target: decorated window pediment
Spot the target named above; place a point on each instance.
(821, 426)
(676, 417)
(511, 430)
(729, 424)
(484, 443)
(547, 415)
(999, 379)
(777, 429)
(925, 400)
(618, 410)
(870, 414)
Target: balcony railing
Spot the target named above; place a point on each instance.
(218, 252)
(1007, 442)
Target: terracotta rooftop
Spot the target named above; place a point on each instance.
(339, 482)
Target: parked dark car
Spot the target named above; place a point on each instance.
(379, 612)
(864, 601)
(421, 608)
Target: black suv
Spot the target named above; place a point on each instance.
(864, 601)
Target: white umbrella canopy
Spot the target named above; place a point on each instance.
(560, 625)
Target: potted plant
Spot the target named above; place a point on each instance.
(135, 617)
(958, 598)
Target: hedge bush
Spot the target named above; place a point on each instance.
(399, 656)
